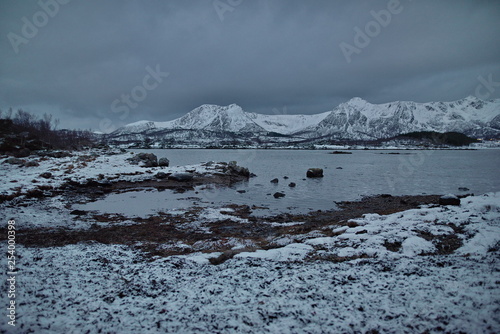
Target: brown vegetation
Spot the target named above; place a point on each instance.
(22, 132)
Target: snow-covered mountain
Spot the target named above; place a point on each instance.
(356, 119)
(230, 118)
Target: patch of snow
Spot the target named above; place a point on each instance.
(291, 252)
(416, 246)
(215, 214)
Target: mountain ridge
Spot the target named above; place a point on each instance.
(356, 119)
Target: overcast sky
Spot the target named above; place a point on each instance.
(101, 64)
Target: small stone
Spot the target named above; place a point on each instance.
(463, 189)
(31, 164)
(274, 180)
(78, 212)
(58, 154)
(241, 191)
(14, 161)
(46, 175)
(278, 195)
(161, 175)
(292, 184)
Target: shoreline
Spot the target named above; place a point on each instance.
(39, 176)
(211, 227)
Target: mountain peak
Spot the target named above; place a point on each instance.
(357, 101)
(471, 98)
(215, 107)
(233, 107)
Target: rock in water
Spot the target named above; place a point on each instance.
(278, 195)
(274, 180)
(238, 170)
(340, 152)
(449, 200)
(292, 184)
(314, 172)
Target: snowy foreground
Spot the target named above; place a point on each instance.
(387, 274)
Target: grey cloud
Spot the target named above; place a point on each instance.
(263, 55)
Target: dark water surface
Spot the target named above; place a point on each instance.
(346, 177)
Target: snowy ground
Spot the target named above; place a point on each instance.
(432, 270)
(80, 167)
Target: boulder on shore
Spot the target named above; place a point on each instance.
(163, 162)
(161, 175)
(144, 160)
(314, 172)
(22, 153)
(449, 200)
(238, 170)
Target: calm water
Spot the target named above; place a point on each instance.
(346, 177)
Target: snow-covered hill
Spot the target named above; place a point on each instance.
(230, 118)
(356, 119)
